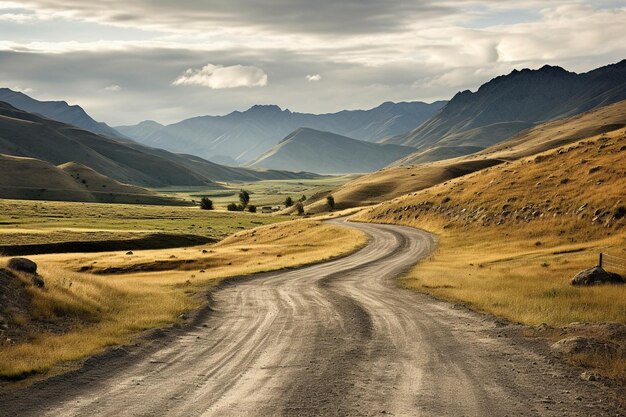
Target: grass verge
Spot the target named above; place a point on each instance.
(78, 314)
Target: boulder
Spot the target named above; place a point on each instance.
(38, 281)
(23, 265)
(596, 275)
(579, 344)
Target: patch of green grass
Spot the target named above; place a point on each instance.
(35, 222)
(262, 193)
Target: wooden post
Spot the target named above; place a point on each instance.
(600, 264)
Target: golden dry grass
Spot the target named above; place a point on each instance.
(512, 236)
(105, 310)
(394, 182)
(501, 231)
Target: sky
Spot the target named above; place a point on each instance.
(165, 60)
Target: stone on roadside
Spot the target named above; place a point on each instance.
(596, 275)
(22, 265)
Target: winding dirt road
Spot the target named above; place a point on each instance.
(339, 338)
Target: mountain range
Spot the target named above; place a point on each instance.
(24, 134)
(57, 110)
(312, 150)
(244, 136)
(508, 104)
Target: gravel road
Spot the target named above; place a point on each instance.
(338, 338)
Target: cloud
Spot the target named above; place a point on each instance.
(219, 77)
(314, 77)
(114, 88)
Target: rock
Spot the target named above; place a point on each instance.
(596, 275)
(579, 344)
(23, 265)
(38, 281)
(130, 252)
(589, 376)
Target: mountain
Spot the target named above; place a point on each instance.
(143, 129)
(509, 104)
(560, 134)
(57, 110)
(33, 136)
(328, 153)
(243, 136)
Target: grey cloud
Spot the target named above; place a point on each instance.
(324, 17)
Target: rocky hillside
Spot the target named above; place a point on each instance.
(511, 103)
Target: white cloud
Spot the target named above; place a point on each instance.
(114, 88)
(25, 90)
(313, 77)
(219, 77)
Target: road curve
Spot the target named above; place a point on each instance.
(338, 338)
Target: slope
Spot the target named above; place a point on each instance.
(32, 179)
(243, 136)
(328, 153)
(29, 135)
(57, 110)
(511, 103)
(511, 237)
(397, 180)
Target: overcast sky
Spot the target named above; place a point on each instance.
(127, 61)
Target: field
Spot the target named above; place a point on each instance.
(262, 193)
(41, 222)
(512, 236)
(92, 301)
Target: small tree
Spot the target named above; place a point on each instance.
(303, 198)
(330, 202)
(234, 207)
(288, 202)
(252, 208)
(299, 208)
(206, 203)
(244, 198)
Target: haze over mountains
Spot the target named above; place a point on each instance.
(328, 153)
(509, 104)
(243, 136)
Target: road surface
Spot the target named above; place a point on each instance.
(338, 338)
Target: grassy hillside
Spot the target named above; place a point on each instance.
(33, 179)
(328, 153)
(396, 181)
(80, 314)
(512, 236)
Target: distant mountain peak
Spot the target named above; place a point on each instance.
(264, 108)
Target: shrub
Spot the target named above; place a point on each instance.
(252, 208)
(299, 208)
(244, 198)
(330, 202)
(234, 207)
(303, 198)
(206, 203)
(288, 202)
